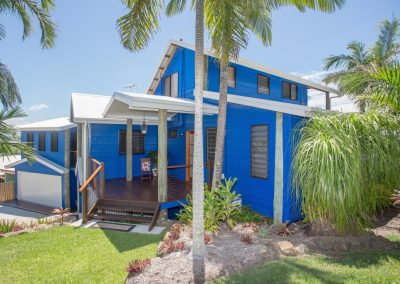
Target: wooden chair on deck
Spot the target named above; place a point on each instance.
(145, 169)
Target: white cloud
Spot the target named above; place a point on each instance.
(38, 107)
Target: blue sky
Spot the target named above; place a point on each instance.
(88, 56)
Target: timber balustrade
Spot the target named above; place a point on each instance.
(7, 191)
(92, 189)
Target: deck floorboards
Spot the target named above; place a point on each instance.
(146, 191)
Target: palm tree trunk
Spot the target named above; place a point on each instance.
(198, 248)
(221, 125)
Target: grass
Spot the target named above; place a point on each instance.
(360, 267)
(72, 255)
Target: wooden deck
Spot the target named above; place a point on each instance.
(146, 191)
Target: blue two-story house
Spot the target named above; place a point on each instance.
(115, 134)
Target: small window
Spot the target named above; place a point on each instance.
(259, 151)
(231, 77)
(54, 142)
(42, 141)
(211, 137)
(289, 91)
(171, 85)
(263, 84)
(29, 139)
(137, 142)
(173, 133)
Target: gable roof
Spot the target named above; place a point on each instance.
(173, 44)
(56, 124)
(42, 160)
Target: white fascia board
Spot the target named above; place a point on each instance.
(299, 110)
(45, 128)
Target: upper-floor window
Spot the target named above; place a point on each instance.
(54, 142)
(137, 142)
(42, 141)
(259, 151)
(29, 139)
(173, 133)
(211, 136)
(289, 90)
(171, 85)
(231, 77)
(263, 84)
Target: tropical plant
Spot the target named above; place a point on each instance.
(345, 169)
(247, 239)
(9, 143)
(62, 212)
(247, 215)
(25, 10)
(361, 61)
(136, 28)
(7, 226)
(138, 265)
(219, 207)
(263, 231)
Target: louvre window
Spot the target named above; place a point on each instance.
(211, 141)
(54, 142)
(263, 84)
(137, 142)
(171, 85)
(231, 77)
(289, 91)
(42, 141)
(29, 139)
(259, 151)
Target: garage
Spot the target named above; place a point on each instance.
(40, 188)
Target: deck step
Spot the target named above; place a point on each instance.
(126, 206)
(130, 218)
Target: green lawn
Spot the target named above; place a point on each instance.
(361, 267)
(72, 255)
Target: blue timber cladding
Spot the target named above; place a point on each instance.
(56, 157)
(256, 192)
(104, 147)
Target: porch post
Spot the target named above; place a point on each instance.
(78, 158)
(86, 170)
(327, 101)
(162, 156)
(278, 184)
(67, 165)
(129, 150)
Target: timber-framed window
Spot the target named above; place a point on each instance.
(137, 142)
(289, 91)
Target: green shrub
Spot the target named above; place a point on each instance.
(246, 215)
(346, 168)
(219, 207)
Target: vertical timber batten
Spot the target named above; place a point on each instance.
(67, 165)
(278, 184)
(129, 150)
(162, 155)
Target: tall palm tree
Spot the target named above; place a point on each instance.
(136, 28)
(10, 97)
(229, 23)
(25, 10)
(361, 60)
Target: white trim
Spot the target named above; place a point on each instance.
(150, 103)
(56, 124)
(51, 165)
(288, 108)
(45, 128)
(244, 62)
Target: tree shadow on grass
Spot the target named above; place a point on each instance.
(125, 241)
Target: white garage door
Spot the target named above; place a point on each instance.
(40, 188)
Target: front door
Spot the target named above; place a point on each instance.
(189, 155)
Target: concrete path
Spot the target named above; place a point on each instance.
(11, 213)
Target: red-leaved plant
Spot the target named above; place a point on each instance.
(247, 239)
(138, 265)
(63, 212)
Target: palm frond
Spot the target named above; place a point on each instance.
(9, 143)
(9, 94)
(140, 23)
(175, 7)
(387, 48)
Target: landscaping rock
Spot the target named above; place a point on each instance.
(285, 245)
(301, 249)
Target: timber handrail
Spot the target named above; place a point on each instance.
(91, 178)
(178, 167)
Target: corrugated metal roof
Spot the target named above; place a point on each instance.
(55, 124)
(88, 106)
(42, 160)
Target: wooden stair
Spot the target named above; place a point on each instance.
(131, 211)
